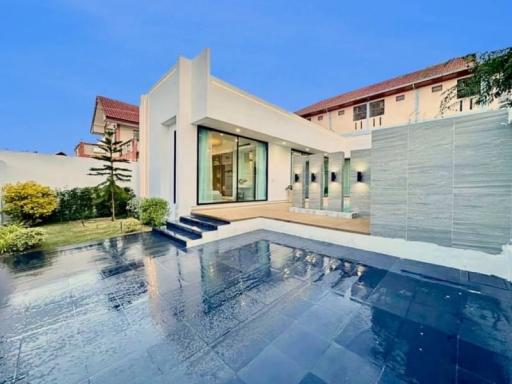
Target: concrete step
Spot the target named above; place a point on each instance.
(176, 238)
(197, 222)
(192, 232)
(208, 219)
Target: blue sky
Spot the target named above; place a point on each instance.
(57, 55)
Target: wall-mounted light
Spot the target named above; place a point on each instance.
(359, 176)
(296, 177)
(333, 176)
(313, 177)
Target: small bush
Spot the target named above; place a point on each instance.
(15, 238)
(103, 203)
(75, 204)
(154, 211)
(130, 225)
(133, 207)
(28, 202)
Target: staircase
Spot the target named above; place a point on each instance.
(189, 230)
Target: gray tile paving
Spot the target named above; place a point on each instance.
(256, 308)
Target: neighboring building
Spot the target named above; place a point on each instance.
(119, 117)
(410, 98)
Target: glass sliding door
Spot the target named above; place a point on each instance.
(216, 167)
(252, 170)
(230, 168)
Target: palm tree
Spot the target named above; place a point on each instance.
(111, 149)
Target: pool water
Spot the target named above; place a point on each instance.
(258, 308)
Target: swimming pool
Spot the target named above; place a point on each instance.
(258, 308)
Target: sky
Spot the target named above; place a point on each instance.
(57, 55)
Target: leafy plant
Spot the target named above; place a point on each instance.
(491, 80)
(103, 203)
(111, 150)
(154, 211)
(133, 207)
(28, 202)
(130, 225)
(76, 204)
(15, 238)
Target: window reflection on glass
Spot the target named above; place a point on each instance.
(252, 168)
(230, 168)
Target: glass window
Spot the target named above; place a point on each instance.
(252, 170)
(326, 176)
(376, 108)
(346, 177)
(360, 112)
(230, 168)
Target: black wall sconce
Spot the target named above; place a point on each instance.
(313, 177)
(296, 177)
(359, 176)
(333, 176)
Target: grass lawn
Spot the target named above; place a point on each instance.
(75, 232)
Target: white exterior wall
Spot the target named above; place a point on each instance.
(60, 172)
(279, 171)
(187, 97)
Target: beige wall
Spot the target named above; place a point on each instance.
(125, 132)
(418, 105)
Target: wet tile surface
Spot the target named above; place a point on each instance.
(257, 308)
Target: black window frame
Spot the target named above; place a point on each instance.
(379, 110)
(360, 112)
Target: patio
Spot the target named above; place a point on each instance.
(279, 211)
(258, 308)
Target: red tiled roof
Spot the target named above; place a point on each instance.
(450, 67)
(119, 110)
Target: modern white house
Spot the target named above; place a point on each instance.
(205, 143)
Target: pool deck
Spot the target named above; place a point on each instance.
(261, 308)
(279, 211)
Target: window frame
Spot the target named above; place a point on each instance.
(235, 201)
(365, 112)
(381, 111)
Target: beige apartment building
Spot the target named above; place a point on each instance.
(410, 98)
(119, 117)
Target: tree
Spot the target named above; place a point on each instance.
(28, 202)
(110, 157)
(491, 80)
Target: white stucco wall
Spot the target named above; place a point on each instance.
(60, 172)
(279, 171)
(188, 96)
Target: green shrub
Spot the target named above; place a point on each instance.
(153, 211)
(133, 207)
(15, 238)
(130, 225)
(103, 201)
(88, 203)
(75, 204)
(28, 202)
